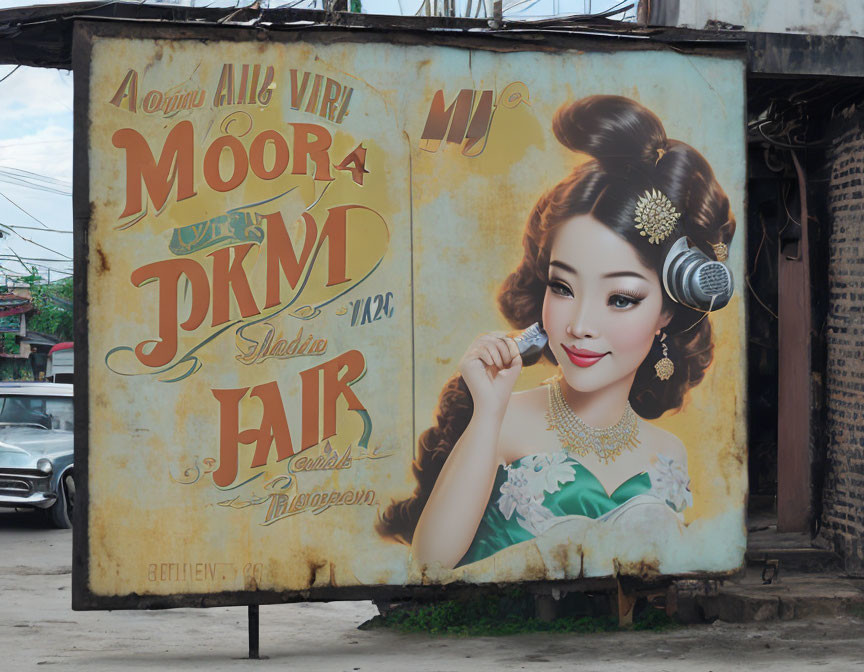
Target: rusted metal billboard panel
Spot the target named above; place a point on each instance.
(304, 263)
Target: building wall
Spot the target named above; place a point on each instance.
(815, 17)
(843, 513)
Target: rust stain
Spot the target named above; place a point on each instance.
(646, 568)
(312, 552)
(313, 567)
(560, 554)
(103, 266)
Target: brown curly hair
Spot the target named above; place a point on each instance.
(629, 154)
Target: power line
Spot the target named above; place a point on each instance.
(23, 210)
(44, 247)
(33, 228)
(26, 178)
(9, 74)
(20, 182)
(12, 274)
(29, 174)
(35, 142)
(49, 268)
(15, 256)
(29, 268)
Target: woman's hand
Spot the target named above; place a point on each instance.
(490, 368)
(455, 507)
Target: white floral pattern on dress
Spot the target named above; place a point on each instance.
(670, 483)
(527, 484)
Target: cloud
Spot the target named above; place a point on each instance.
(11, 4)
(46, 152)
(34, 97)
(53, 210)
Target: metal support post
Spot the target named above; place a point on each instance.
(253, 632)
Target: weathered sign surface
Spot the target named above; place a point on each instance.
(293, 246)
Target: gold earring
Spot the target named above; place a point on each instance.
(664, 367)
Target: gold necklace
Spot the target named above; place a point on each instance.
(578, 438)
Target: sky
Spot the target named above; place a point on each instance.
(36, 139)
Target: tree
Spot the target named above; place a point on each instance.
(52, 306)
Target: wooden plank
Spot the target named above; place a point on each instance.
(626, 602)
(794, 506)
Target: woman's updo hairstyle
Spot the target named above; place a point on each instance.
(627, 154)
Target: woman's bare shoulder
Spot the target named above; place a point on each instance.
(660, 442)
(524, 423)
(534, 399)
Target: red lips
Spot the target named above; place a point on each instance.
(583, 358)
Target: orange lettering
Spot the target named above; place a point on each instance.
(315, 149)
(256, 155)
(239, 160)
(328, 100)
(175, 164)
(128, 89)
(225, 89)
(265, 92)
(274, 426)
(334, 232)
(280, 254)
(312, 104)
(355, 163)
(228, 275)
(298, 90)
(455, 117)
(168, 274)
(334, 387)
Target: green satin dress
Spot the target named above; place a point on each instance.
(538, 488)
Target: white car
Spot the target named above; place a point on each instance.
(36, 449)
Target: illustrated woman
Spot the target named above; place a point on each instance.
(620, 267)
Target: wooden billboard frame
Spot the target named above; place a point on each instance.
(84, 34)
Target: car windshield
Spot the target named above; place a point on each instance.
(48, 412)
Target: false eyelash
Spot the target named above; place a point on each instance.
(557, 284)
(636, 296)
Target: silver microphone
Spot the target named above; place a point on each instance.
(531, 343)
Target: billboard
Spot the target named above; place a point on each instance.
(308, 265)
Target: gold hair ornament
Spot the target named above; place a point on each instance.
(656, 217)
(720, 251)
(579, 438)
(665, 367)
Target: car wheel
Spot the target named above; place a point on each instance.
(60, 514)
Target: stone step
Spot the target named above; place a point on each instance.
(808, 560)
(793, 596)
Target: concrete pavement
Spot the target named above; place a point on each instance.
(39, 629)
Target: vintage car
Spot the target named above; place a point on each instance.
(36, 449)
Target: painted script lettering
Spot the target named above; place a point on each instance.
(228, 279)
(273, 428)
(176, 163)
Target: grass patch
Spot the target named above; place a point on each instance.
(508, 613)
(655, 621)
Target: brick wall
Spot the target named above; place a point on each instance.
(843, 512)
